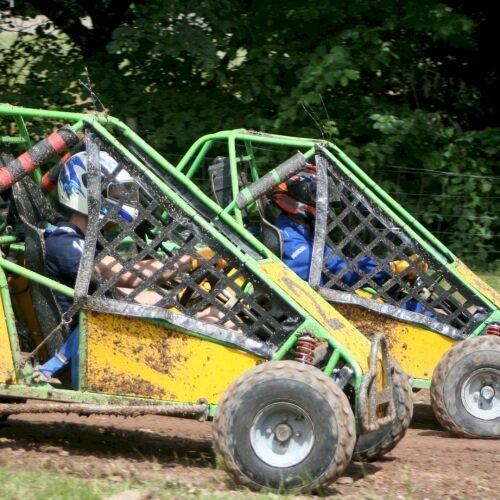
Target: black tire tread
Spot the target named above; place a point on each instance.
(284, 369)
(449, 359)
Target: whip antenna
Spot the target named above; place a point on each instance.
(93, 96)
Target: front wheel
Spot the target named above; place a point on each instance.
(285, 426)
(465, 390)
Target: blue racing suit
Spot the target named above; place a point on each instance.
(64, 248)
(297, 255)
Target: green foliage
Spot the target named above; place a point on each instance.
(397, 85)
(492, 278)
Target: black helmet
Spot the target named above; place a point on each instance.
(298, 194)
(302, 187)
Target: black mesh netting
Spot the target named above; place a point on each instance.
(404, 274)
(219, 295)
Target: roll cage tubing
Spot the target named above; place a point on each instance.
(191, 162)
(100, 125)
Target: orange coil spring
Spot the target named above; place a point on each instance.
(304, 350)
(493, 330)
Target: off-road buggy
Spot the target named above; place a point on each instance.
(295, 390)
(451, 344)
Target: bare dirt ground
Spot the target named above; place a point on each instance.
(428, 464)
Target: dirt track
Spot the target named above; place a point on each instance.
(428, 463)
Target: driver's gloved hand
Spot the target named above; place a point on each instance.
(400, 266)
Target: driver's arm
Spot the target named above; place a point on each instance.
(109, 266)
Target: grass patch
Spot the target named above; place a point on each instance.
(44, 485)
(30, 484)
(492, 278)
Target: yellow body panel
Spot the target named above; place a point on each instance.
(337, 325)
(472, 278)
(132, 357)
(6, 362)
(417, 349)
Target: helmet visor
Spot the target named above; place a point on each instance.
(123, 193)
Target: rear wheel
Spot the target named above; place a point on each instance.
(285, 426)
(465, 390)
(372, 445)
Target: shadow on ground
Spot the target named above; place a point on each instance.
(109, 442)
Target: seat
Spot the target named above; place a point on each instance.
(270, 235)
(220, 181)
(33, 210)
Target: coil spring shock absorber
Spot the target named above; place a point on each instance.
(493, 329)
(304, 349)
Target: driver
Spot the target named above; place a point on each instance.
(65, 244)
(296, 199)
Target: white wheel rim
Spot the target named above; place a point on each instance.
(481, 394)
(282, 434)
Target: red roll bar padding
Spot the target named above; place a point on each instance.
(50, 178)
(28, 161)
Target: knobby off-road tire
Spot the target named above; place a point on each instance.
(285, 426)
(465, 390)
(372, 445)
